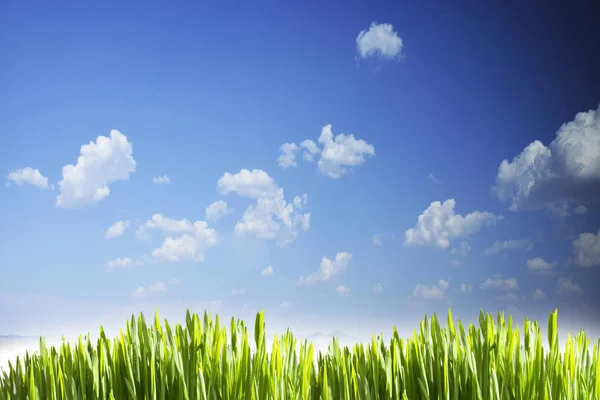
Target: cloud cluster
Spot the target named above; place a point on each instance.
(328, 269)
(586, 250)
(380, 40)
(439, 224)
(161, 180)
(566, 171)
(99, 164)
(29, 176)
(338, 155)
(498, 283)
(566, 287)
(271, 217)
(539, 264)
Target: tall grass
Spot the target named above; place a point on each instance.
(200, 361)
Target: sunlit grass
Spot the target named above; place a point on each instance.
(201, 361)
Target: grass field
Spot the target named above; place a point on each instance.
(205, 359)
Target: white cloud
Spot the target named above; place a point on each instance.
(439, 224)
(29, 176)
(121, 263)
(100, 163)
(310, 149)
(466, 288)
(586, 250)
(435, 292)
(161, 180)
(187, 247)
(498, 247)
(539, 294)
(433, 179)
(581, 209)
(377, 240)
(378, 288)
(288, 155)
(342, 290)
(238, 292)
(328, 269)
(567, 287)
(164, 224)
(462, 250)
(144, 291)
(116, 230)
(380, 40)
(341, 152)
(272, 217)
(217, 210)
(497, 283)
(568, 170)
(267, 271)
(539, 264)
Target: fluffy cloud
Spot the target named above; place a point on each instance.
(29, 176)
(116, 230)
(339, 154)
(144, 291)
(586, 250)
(161, 223)
(161, 180)
(497, 283)
(378, 288)
(439, 224)
(568, 170)
(581, 209)
(377, 240)
(538, 294)
(272, 217)
(462, 250)
(328, 269)
(435, 292)
(99, 164)
(566, 287)
(216, 211)
(539, 264)
(121, 263)
(342, 290)
(238, 292)
(380, 40)
(267, 271)
(498, 247)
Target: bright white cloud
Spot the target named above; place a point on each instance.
(466, 288)
(310, 149)
(462, 250)
(216, 211)
(121, 263)
(187, 247)
(581, 209)
(498, 283)
(341, 152)
(29, 176)
(538, 294)
(342, 290)
(288, 155)
(586, 250)
(539, 264)
(566, 287)
(161, 180)
(439, 224)
(435, 292)
(377, 240)
(99, 164)
(238, 292)
(378, 288)
(159, 222)
(498, 247)
(272, 217)
(328, 269)
(144, 291)
(267, 271)
(568, 170)
(116, 230)
(380, 40)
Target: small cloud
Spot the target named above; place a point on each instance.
(497, 247)
(567, 287)
(457, 263)
(586, 250)
(161, 180)
(267, 271)
(580, 209)
(539, 264)
(497, 283)
(121, 263)
(381, 41)
(378, 288)
(29, 176)
(285, 305)
(377, 240)
(538, 294)
(144, 291)
(463, 250)
(433, 179)
(435, 292)
(216, 211)
(174, 281)
(116, 230)
(466, 288)
(342, 290)
(238, 292)
(328, 269)
(288, 155)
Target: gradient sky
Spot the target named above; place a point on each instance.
(359, 150)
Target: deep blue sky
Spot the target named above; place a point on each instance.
(201, 90)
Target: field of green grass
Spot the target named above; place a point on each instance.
(205, 359)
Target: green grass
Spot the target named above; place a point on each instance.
(201, 361)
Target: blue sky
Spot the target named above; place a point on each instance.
(430, 101)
